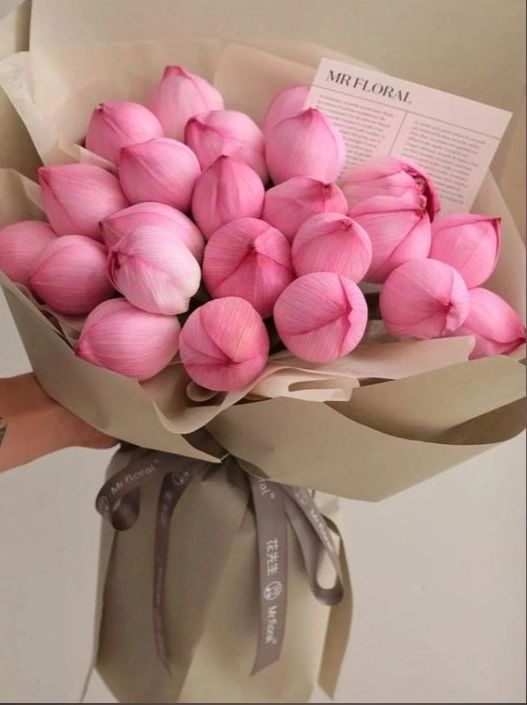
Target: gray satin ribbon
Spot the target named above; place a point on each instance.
(271, 531)
(274, 505)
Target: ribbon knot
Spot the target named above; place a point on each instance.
(275, 506)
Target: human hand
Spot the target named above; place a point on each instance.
(32, 424)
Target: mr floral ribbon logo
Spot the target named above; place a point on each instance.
(273, 590)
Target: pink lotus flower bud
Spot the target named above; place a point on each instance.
(163, 217)
(424, 298)
(289, 204)
(161, 170)
(285, 104)
(154, 270)
(70, 275)
(179, 96)
(470, 243)
(117, 124)
(77, 197)
(128, 341)
(228, 189)
(250, 259)
(332, 242)
(228, 132)
(306, 144)
(399, 230)
(21, 245)
(321, 316)
(496, 325)
(389, 176)
(224, 344)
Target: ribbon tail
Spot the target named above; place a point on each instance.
(172, 488)
(339, 627)
(271, 529)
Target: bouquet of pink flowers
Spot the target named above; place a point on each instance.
(212, 238)
(254, 322)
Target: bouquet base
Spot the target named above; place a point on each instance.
(211, 597)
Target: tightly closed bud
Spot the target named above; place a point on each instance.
(21, 245)
(179, 96)
(470, 243)
(250, 259)
(389, 176)
(424, 298)
(163, 217)
(496, 325)
(76, 197)
(332, 242)
(161, 170)
(321, 316)
(288, 205)
(399, 230)
(228, 132)
(306, 144)
(117, 124)
(224, 344)
(128, 341)
(286, 103)
(228, 189)
(154, 270)
(70, 275)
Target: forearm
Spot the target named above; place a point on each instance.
(32, 424)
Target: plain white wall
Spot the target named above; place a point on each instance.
(438, 571)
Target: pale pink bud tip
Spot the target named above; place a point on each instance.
(162, 170)
(228, 132)
(389, 176)
(331, 242)
(292, 202)
(468, 242)
(228, 189)
(21, 245)
(424, 299)
(76, 197)
(399, 230)
(179, 96)
(321, 316)
(164, 217)
(494, 323)
(286, 103)
(117, 124)
(154, 270)
(70, 275)
(250, 259)
(306, 144)
(128, 341)
(224, 344)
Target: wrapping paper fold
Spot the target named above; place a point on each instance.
(324, 427)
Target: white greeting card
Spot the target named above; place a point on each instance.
(453, 138)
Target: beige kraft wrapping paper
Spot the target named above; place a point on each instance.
(316, 428)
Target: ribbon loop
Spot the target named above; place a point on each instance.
(119, 498)
(310, 546)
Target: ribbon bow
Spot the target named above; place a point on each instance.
(275, 505)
